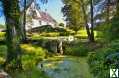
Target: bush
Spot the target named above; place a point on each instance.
(52, 34)
(76, 49)
(64, 34)
(2, 35)
(98, 62)
(3, 50)
(32, 55)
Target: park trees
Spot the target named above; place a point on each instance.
(72, 13)
(81, 15)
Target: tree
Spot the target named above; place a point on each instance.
(92, 22)
(74, 10)
(13, 34)
(24, 23)
(73, 14)
(25, 5)
(61, 24)
(85, 19)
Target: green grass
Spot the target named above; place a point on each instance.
(2, 36)
(83, 34)
(33, 73)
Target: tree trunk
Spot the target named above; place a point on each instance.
(24, 23)
(23, 19)
(117, 9)
(85, 19)
(13, 34)
(92, 22)
(108, 8)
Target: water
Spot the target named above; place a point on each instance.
(66, 67)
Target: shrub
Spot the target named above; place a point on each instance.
(3, 50)
(36, 36)
(52, 34)
(64, 34)
(76, 49)
(2, 35)
(98, 62)
(32, 55)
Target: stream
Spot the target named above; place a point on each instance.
(66, 67)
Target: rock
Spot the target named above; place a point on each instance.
(3, 74)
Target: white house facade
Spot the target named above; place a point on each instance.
(36, 18)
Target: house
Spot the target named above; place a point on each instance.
(36, 18)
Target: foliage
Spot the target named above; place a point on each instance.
(2, 26)
(72, 12)
(33, 73)
(82, 34)
(67, 32)
(32, 55)
(3, 51)
(52, 34)
(76, 49)
(114, 29)
(99, 64)
(35, 36)
(48, 28)
(61, 24)
(12, 37)
(2, 35)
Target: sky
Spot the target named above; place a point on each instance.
(53, 7)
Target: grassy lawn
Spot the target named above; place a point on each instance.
(83, 34)
(2, 36)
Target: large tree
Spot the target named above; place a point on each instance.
(13, 34)
(92, 21)
(14, 31)
(72, 12)
(25, 5)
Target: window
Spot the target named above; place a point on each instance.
(40, 22)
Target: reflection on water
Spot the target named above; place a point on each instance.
(68, 67)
